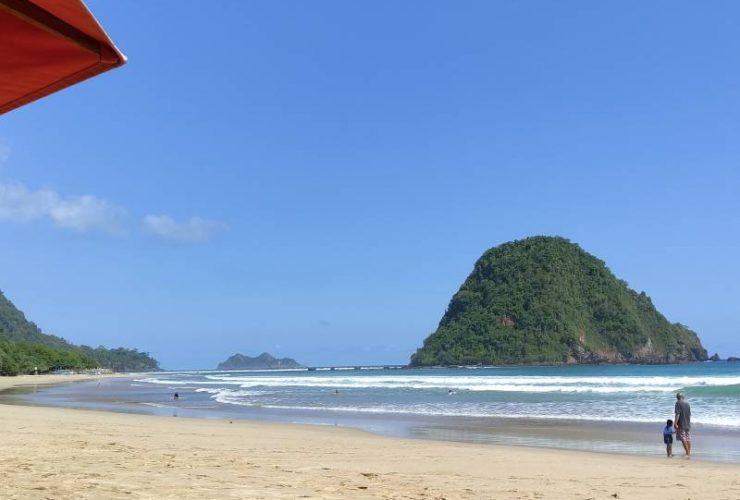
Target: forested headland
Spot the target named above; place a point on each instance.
(24, 348)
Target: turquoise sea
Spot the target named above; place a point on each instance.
(599, 408)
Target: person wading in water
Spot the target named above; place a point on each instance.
(682, 423)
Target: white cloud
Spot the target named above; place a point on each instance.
(193, 229)
(78, 213)
(20, 205)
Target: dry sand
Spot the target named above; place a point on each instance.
(55, 453)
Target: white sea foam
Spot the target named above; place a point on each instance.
(208, 390)
(155, 405)
(534, 384)
(242, 398)
(648, 415)
(159, 381)
(231, 392)
(726, 421)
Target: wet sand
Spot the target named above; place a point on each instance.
(631, 438)
(63, 453)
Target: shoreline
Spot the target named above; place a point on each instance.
(62, 453)
(631, 439)
(10, 383)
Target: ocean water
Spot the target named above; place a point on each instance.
(595, 393)
(598, 408)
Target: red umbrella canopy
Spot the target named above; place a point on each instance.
(48, 45)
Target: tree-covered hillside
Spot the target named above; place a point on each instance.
(25, 348)
(545, 300)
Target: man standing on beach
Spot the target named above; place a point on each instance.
(682, 423)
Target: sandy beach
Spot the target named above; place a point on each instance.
(55, 453)
(31, 380)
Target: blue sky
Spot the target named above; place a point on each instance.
(316, 179)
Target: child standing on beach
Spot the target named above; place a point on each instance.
(668, 437)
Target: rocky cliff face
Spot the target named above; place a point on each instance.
(545, 300)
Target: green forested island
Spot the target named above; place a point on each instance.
(544, 300)
(25, 348)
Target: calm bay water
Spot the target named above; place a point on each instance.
(598, 408)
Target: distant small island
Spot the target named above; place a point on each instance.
(264, 361)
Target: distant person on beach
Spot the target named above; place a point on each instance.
(668, 437)
(176, 396)
(682, 423)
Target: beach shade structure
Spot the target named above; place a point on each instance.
(48, 45)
